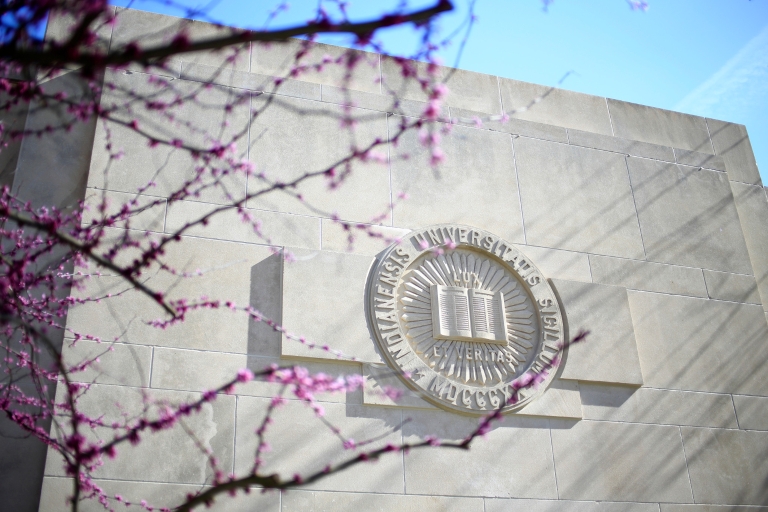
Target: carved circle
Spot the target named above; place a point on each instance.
(461, 313)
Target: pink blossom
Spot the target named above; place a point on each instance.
(244, 375)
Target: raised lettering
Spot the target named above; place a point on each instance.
(395, 269)
(420, 241)
(546, 303)
(492, 396)
(387, 278)
(549, 321)
(399, 351)
(393, 337)
(385, 303)
(455, 396)
(389, 316)
(448, 235)
(438, 386)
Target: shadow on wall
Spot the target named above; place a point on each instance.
(48, 171)
(690, 354)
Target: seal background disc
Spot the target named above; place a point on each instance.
(470, 374)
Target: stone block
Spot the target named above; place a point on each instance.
(560, 400)
(208, 117)
(753, 215)
(466, 89)
(149, 216)
(251, 81)
(379, 379)
(367, 239)
(564, 209)
(22, 464)
(150, 30)
(476, 188)
(308, 501)
(171, 69)
(60, 26)
(652, 277)
(445, 471)
(11, 120)
(696, 159)
(56, 490)
(700, 345)
(137, 242)
(668, 507)
(512, 125)
(324, 302)
(731, 141)
(292, 137)
(620, 462)
(732, 287)
(688, 216)
(512, 505)
(225, 269)
(166, 456)
(321, 64)
(374, 101)
(556, 264)
(145, 28)
(609, 353)
(657, 126)
(117, 363)
(727, 466)
(619, 145)
(301, 444)
(267, 299)
(273, 228)
(752, 412)
(549, 105)
(52, 170)
(656, 406)
(194, 370)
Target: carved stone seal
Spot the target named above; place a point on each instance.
(461, 313)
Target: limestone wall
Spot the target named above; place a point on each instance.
(651, 225)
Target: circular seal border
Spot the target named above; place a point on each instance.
(385, 279)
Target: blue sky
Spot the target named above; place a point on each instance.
(703, 57)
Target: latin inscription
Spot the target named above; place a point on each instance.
(447, 236)
(457, 368)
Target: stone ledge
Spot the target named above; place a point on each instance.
(560, 400)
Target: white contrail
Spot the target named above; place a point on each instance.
(735, 90)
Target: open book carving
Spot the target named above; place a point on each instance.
(468, 314)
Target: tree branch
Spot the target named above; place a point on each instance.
(62, 55)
